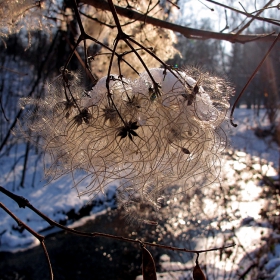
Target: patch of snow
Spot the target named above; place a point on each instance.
(54, 200)
(272, 264)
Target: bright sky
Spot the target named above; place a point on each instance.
(193, 12)
(196, 10)
(205, 15)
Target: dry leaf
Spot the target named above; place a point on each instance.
(197, 272)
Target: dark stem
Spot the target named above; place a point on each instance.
(185, 31)
(80, 39)
(115, 16)
(252, 19)
(250, 79)
(48, 259)
(23, 202)
(40, 237)
(77, 14)
(166, 66)
(244, 13)
(25, 163)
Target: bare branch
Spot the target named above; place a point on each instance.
(23, 202)
(245, 13)
(40, 237)
(186, 31)
(252, 19)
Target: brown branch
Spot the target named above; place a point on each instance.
(23, 202)
(124, 24)
(114, 13)
(253, 18)
(245, 13)
(40, 237)
(185, 31)
(48, 259)
(84, 65)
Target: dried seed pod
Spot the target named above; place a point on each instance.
(148, 265)
(197, 272)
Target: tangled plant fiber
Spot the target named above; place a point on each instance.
(145, 135)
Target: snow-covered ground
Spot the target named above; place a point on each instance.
(238, 218)
(231, 209)
(58, 200)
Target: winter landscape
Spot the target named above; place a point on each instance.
(140, 152)
(249, 218)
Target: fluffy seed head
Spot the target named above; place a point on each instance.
(159, 130)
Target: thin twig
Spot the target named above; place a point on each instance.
(23, 202)
(252, 19)
(211, 9)
(84, 65)
(14, 71)
(40, 237)
(185, 31)
(48, 259)
(226, 27)
(173, 4)
(250, 79)
(244, 13)
(114, 13)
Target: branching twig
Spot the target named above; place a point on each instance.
(40, 237)
(23, 202)
(252, 19)
(226, 27)
(186, 31)
(245, 13)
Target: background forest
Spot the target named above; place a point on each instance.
(222, 206)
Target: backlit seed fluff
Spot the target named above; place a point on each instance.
(161, 129)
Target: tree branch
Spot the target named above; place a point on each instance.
(23, 202)
(40, 237)
(245, 13)
(190, 33)
(253, 18)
